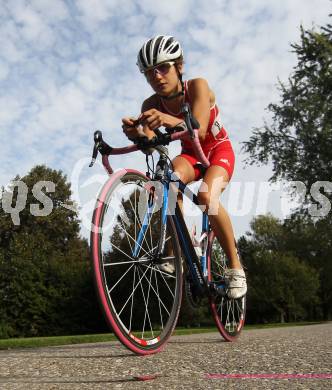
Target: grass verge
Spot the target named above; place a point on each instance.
(35, 342)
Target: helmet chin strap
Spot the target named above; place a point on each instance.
(176, 94)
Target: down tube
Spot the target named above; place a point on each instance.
(187, 248)
(205, 229)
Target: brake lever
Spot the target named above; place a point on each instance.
(100, 146)
(191, 122)
(98, 138)
(94, 156)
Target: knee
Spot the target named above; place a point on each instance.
(210, 202)
(204, 198)
(180, 174)
(183, 170)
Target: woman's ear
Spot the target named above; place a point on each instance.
(180, 67)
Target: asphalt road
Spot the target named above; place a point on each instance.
(292, 358)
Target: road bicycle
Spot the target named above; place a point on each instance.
(137, 229)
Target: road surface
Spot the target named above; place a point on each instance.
(279, 358)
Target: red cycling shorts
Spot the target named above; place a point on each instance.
(221, 154)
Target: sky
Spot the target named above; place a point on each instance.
(68, 67)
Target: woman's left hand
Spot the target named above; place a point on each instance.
(155, 119)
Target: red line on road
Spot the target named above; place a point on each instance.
(269, 376)
(145, 377)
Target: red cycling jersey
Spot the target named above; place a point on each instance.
(216, 145)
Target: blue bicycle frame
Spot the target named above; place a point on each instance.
(197, 266)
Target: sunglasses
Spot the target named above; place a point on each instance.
(162, 69)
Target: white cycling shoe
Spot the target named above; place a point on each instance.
(236, 283)
(167, 267)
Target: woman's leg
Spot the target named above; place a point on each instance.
(184, 170)
(214, 182)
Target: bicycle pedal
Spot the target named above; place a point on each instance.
(217, 290)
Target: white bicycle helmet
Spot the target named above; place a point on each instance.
(159, 49)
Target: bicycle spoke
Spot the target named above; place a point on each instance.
(161, 273)
(127, 234)
(149, 297)
(132, 301)
(217, 274)
(146, 313)
(228, 311)
(219, 267)
(156, 246)
(140, 301)
(135, 242)
(157, 287)
(231, 310)
(109, 291)
(137, 219)
(120, 250)
(157, 294)
(240, 309)
(141, 260)
(150, 219)
(131, 295)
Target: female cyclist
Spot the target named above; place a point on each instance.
(161, 61)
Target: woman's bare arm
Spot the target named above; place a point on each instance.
(199, 95)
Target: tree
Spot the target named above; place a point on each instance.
(282, 286)
(299, 140)
(311, 241)
(45, 274)
(298, 143)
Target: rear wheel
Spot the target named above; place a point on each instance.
(140, 301)
(228, 314)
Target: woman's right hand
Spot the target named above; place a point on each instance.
(131, 128)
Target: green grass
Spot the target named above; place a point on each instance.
(35, 342)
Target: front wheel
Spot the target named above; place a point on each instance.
(228, 314)
(141, 301)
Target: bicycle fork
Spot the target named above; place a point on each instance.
(151, 204)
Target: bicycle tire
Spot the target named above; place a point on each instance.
(228, 314)
(114, 277)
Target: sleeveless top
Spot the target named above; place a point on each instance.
(215, 134)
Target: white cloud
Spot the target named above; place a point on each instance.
(32, 26)
(90, 76)
(10, 112)
(68, 67)
(167, 14)
(67, 109)
(93, 12)
(4, 70)
(54, 11)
